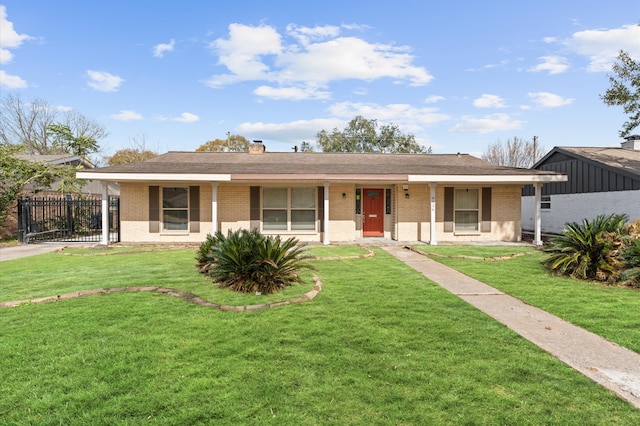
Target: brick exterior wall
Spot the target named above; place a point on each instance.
(342, 226)
(409, 221)
(233, 208)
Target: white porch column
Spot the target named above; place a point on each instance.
(432, 218)
(214, 207)
(537, 240)
(105, 213)
(325, 239)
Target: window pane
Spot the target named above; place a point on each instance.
(466, 199)
(274, 220)
(303, 220)
(466, 221)
(175, 220)
(303, 198)
(275, 198)
(175, 198)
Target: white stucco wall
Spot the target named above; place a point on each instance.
(575, 207)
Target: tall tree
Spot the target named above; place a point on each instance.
(515, 152)
(233, 143)
(27, 124)
(135, 154)
(362, 135)
(625, 90)
(63, 140)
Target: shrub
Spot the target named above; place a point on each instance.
(589, 250)
(630, 256)
(247, 261)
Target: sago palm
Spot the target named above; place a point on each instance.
(589, 250)
(631, 259)
(247, 261)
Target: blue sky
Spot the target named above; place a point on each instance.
(459, 75)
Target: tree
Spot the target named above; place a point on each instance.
(130, 155)
(29, 124)
(515, 152)
(361, 135)
(306, 147)
(233, 143)
(625, 90)
(136, 153)
(16, 173)
(63, 140)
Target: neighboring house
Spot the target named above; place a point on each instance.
(88, 189)
(10, 227)
(600, 181)
(320, 197)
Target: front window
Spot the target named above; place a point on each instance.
(466, 207)
(175, 209)
(285, 209)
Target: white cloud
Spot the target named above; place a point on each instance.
(486, 124)
(9, 38)
(489, 101)
(549, 100)
(11, 81)
(305, 35)
(407, 117)
(291, 132)
(160, 49)
(126, 115)
(552, 64)
(602, 46)
(186, 117)
(309, 60)
(104, 81)
(291, 93)
(434, 99)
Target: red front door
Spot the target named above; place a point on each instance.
(373, 212)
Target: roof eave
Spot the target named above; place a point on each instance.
(517, 179)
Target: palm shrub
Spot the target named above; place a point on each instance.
(590, 249)
(247, 261)
(630, 256)
(204, 254)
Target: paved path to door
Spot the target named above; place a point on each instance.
(612, 366)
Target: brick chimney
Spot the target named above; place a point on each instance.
(257, 147)
(632, 142)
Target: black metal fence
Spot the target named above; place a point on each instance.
(66, 219)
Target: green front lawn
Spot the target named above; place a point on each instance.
(609, 311)
(379, 345)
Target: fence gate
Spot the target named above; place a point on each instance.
(66, 219)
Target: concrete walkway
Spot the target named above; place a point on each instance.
(610, 365)
(25, 250)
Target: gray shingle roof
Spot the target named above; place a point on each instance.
(626, 160)
(301, 164)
